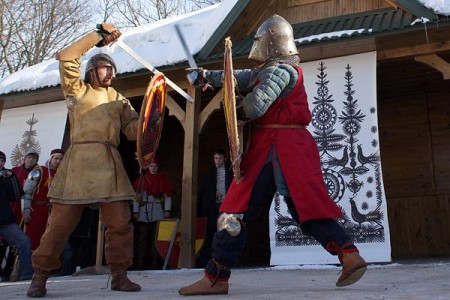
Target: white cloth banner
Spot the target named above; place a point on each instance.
(343, 101)
(36, 127)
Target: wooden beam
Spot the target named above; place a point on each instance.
(189, 180)
(292, 3)
(213, 105)
(392, 3)
(175, 109)
(436, 62)
(413, 50)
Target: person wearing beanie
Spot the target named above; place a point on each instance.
(92, 171)
(10, 192)
(156, 204)
(56, 155)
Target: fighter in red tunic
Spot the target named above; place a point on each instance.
(30, 163)
(282, 154)
(35, 213)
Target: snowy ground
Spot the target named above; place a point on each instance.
(412, 280)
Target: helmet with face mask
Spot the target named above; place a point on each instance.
(274, 38)
(99, 60)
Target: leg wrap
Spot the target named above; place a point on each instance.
(330, 235)
(339, 250)
(226, 250)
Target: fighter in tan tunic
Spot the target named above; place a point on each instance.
(92, 170)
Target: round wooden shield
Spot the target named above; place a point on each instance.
(151, 120)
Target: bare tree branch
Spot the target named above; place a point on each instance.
(133, 13)
(33, 30)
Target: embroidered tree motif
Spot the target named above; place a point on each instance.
(342, 156)
(365, 226)
(29, 142)
(325, 118)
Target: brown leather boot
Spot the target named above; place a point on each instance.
(37, 287)
(353, 268)
(205, 287)
(120, 282)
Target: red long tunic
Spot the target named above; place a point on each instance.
(298, 155)
(39, 204)
(40, 208)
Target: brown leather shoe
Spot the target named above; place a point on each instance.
(120, 282)
(205, 287)
(37, 287)
(353, 268)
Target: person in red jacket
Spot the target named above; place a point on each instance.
(281, 152)
(35, 216)
(156, 204)
(30, 163)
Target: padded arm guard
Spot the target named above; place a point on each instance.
(273, 82)
(29, 187)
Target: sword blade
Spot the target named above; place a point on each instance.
(188, 53)
(152, 69)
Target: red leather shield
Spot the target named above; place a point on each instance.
(151, 119)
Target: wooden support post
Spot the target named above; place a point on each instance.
(100, 244)
(435, 62)
(189, 183)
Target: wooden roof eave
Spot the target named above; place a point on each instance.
(40, 96)
(417, 9)
(223, 28)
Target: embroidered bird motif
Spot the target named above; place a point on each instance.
(372, 216)
(341, 162)
(371, 159)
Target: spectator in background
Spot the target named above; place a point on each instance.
(10, 191)
(36, 211)
(156, 204)
(209, 198)
(30, 163)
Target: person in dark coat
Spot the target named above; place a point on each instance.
(209, 198)
(11, 191)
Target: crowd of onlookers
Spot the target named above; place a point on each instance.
(25, 207)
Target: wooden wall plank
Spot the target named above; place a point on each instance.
(303, 11)
(420, 226)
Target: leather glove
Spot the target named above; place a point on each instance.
(197, 77)
(109, 34)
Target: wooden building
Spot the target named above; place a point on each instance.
(413, 106)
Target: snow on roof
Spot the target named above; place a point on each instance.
(441, 7)
(157, 43)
